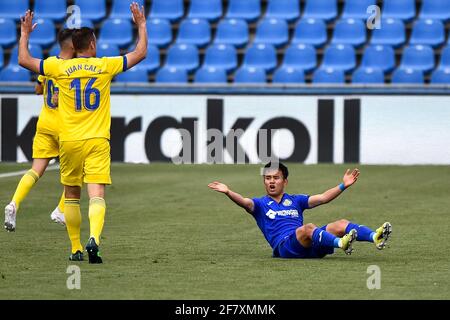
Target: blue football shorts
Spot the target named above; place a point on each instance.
(289, 247)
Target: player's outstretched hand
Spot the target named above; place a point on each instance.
(26, 23)
(350, 177)
(219, 187)
(138, 14)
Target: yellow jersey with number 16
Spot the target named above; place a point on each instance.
(84, 94)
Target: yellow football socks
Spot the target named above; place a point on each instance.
(26, 183)
(72, 215)
(97, 210)
(61, 202)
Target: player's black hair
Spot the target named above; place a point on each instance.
(284, 170)
(82, 37)
(64, 35)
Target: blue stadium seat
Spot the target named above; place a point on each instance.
(320, 9)
(152, 61)
(132, 75)
(78, 23)
(105, 49)
(379, 56)
(249, 10)
(55, 49)
(357, 9)
(50, 9)
(399, 9)
(310, 31)
(328, 75)
(445, 58)
(14, 73)
(249, 75)
(288, 10)
(349, 31)
(418, 57)
(8, 36)
(210, 10)
(171, 75)
(441, 76)
(35, 51)
(92, 10)
(222, 56)
(428, 32)
(339, 57)
(44, 34)
(288, 75)
(194, 31)
(159, 32)
(404, 76)
(117, 31)
(272, 31)
(368, 75)
(233, 32)
(300, 57)
(13, 9)
(210, 75)
(121, 9)
(172, 10)
(392, 33)
(263, 56)
(183, 56)
(435, 9)
(1, 57)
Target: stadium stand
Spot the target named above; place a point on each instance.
(1, 58)
(288, 75)
(296, 34)
(171, 75)
(250, 75)
(14, 73)
(105, 49)
(210, 75)
(133, 75)
(407, 76)
(328, 75)
(441, 76)
(368, 75)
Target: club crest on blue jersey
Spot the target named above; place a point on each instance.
(287, 202)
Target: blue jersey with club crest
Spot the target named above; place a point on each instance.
(279, 220)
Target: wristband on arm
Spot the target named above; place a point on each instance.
(342, 186)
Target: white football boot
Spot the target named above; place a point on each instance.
(10, 217)
(58, 217)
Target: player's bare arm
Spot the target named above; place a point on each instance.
(140, 52)
(350, 177)
(38, 89)
(25, 58)
(245, 203)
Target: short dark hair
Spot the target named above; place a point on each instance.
(82, 37)
(278, 165)
(64, 35)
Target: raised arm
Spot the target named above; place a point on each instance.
(349, 179)
(140, 52)
(245, 203)
(25, 59)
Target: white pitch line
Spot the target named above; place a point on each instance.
(21, 173)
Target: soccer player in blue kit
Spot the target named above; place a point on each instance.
(280, 217)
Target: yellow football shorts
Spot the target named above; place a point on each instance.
(45, 146)
(87, 161)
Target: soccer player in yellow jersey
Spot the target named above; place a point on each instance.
(45, 144)
(84, 109)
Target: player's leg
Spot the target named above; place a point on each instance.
(97, 175)
(24, 186)
(310, 235)
(379, 237)
(71, 161)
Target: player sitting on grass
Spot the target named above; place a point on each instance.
(45, 143)
(280, 217)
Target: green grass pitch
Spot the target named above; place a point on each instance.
(167, 236)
